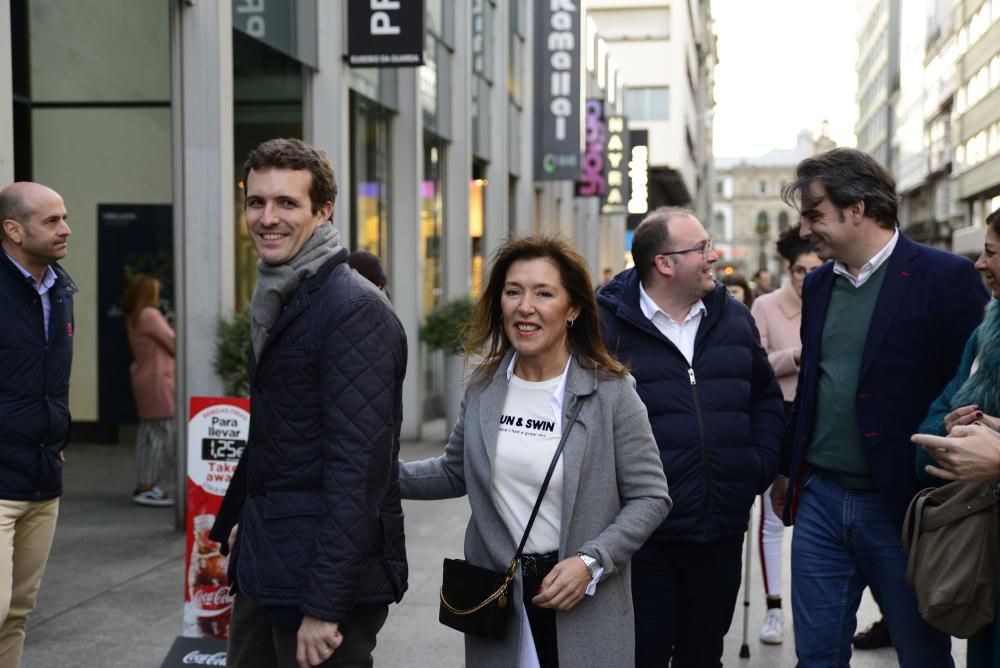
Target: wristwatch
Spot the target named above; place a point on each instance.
(593, 565)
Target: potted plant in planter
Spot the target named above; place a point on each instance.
(444, 329)
(232, 353)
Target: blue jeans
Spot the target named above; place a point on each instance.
(844, 540)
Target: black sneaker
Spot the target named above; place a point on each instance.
(874, 637)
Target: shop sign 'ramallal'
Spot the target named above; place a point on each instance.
(558, 93)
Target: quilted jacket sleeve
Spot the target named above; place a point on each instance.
(362, 362)
(766, 414)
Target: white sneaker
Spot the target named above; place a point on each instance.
(773, 631)
(153, 497)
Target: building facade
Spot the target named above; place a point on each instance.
(141, 112)
(748, 214)
(878, 77)
(945, 136)
(672, 100)
(976, 119)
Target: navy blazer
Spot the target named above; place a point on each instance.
(929, 303)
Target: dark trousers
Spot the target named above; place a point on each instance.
(542, 620)
(255, 643)
(684, 596)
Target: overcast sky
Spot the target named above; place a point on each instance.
(783, 65)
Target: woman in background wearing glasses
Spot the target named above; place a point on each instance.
(778, 315)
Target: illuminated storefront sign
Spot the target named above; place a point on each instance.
(593, 182)
(615, 152)
(638, 177)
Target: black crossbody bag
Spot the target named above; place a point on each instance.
(476, 600)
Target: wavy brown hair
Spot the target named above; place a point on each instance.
(142, 291)
(486, 335)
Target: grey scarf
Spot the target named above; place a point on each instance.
(278, 282)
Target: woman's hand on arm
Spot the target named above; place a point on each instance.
(970, 414)
(565, 585)
(969, 452)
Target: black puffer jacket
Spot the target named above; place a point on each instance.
(717, 422)
(321, 528)
(34, 384)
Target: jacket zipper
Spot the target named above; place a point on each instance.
(704, 449)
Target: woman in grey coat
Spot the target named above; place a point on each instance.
(536, 327)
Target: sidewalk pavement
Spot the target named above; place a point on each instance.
(113, 590)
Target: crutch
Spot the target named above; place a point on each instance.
(745, 647)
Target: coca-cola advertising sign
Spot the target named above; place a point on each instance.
(196, 652)
(217, 435)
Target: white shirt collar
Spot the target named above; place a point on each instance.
(48, 278)
(560, 392)
(870, 267)
(650, 309)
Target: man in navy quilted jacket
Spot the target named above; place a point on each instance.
(318, 554)
(716, 412)
(36, 340)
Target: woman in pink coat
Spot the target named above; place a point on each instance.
(152, 341)
(778, 315)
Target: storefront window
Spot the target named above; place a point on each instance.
(431, 220)
(370, 177)
(431, 228)
(477, 224)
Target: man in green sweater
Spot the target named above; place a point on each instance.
(883, 327)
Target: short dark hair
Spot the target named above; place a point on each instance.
(653, 236)
(295, 154)
(848, 176)
(791, 245)
(486, 333)
(993, 220)
(369, 266)
(740, 280)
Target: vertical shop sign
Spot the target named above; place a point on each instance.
(385, 33)
(478, 37)
(217, 435)
(478, 11)
(558, 93)
(615, 152)
(638, 177)
(592, 181)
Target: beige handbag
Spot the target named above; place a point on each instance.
(952, 535)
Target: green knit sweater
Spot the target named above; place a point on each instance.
(836, 442)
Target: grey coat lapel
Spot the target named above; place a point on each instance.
(580, 384)
(491, 406)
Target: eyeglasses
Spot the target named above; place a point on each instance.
(705, 247)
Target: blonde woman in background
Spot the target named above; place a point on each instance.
(151, 339)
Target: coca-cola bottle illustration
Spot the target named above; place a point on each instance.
(207, 584)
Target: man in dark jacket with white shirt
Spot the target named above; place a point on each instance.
(716, 412)
(318, 553)
(36, 352)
